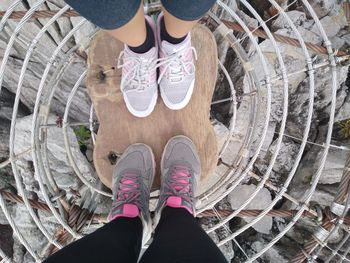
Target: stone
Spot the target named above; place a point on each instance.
(337, 42)
(64, 23)
(334, 166)
(84, 33)
(241, 193)
(7, 99)
(332, 24)
(272, 255)
(3, 219)
(297, 17)
(4, 139)
(346, 38)
(6, 239)
(28, 228)
(221, 132)
(324, 7)
(28, 31)
(286, 156)
(57, 156)
(299, 100)
(324, 196)
(19, 251)
(80, 108)
(344, 110)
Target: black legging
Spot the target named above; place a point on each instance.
(178, 239)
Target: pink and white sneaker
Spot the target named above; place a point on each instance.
(180, 169)
(132, 181)
(176, 70)
(139, 78)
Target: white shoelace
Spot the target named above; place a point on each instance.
(176, 66)
(137, 78)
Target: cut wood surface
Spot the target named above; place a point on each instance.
(118, 128)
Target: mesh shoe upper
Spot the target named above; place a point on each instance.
(177, 71)
(132, 180)
(180, 174)
(139, 78)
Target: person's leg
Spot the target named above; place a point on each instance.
(179, 238)
(130, 222)
(137, 25)
(180, 16)
(177, 56)
(118, 241)
(125, 20)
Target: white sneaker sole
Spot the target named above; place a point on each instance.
(145, 113)
(180, 105)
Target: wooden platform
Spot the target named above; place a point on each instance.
(118, 128)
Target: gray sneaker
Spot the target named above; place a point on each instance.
(180, 168)
(132, 180)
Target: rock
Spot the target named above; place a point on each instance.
(221, 133)
(337, 42)
(241, 193)
(346, 38)
(297, 17)
(80, 108)
(7, 99)
(334, 166)
(29, 30)
(324, 7)
(52, 31)
(4, 139)
(216, 236)
(6, 239)
(344, 110)
(83, 34)
(272, 255)
(59, 165)
(269, 138)
(28, 228)
(283, 164)
(64, 23)
(18, 251)
(286, 156)
(299, 100)
(3, 219)
(332, 24)
(223, 45)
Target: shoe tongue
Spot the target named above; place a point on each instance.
(169, 48)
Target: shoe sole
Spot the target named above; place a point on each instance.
(141, 114)
(180, 105)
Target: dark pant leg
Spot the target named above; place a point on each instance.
(188, 10)
(119, 242)
(107, 14)
(179, 239)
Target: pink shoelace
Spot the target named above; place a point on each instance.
(129, 189)
(179, 183)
